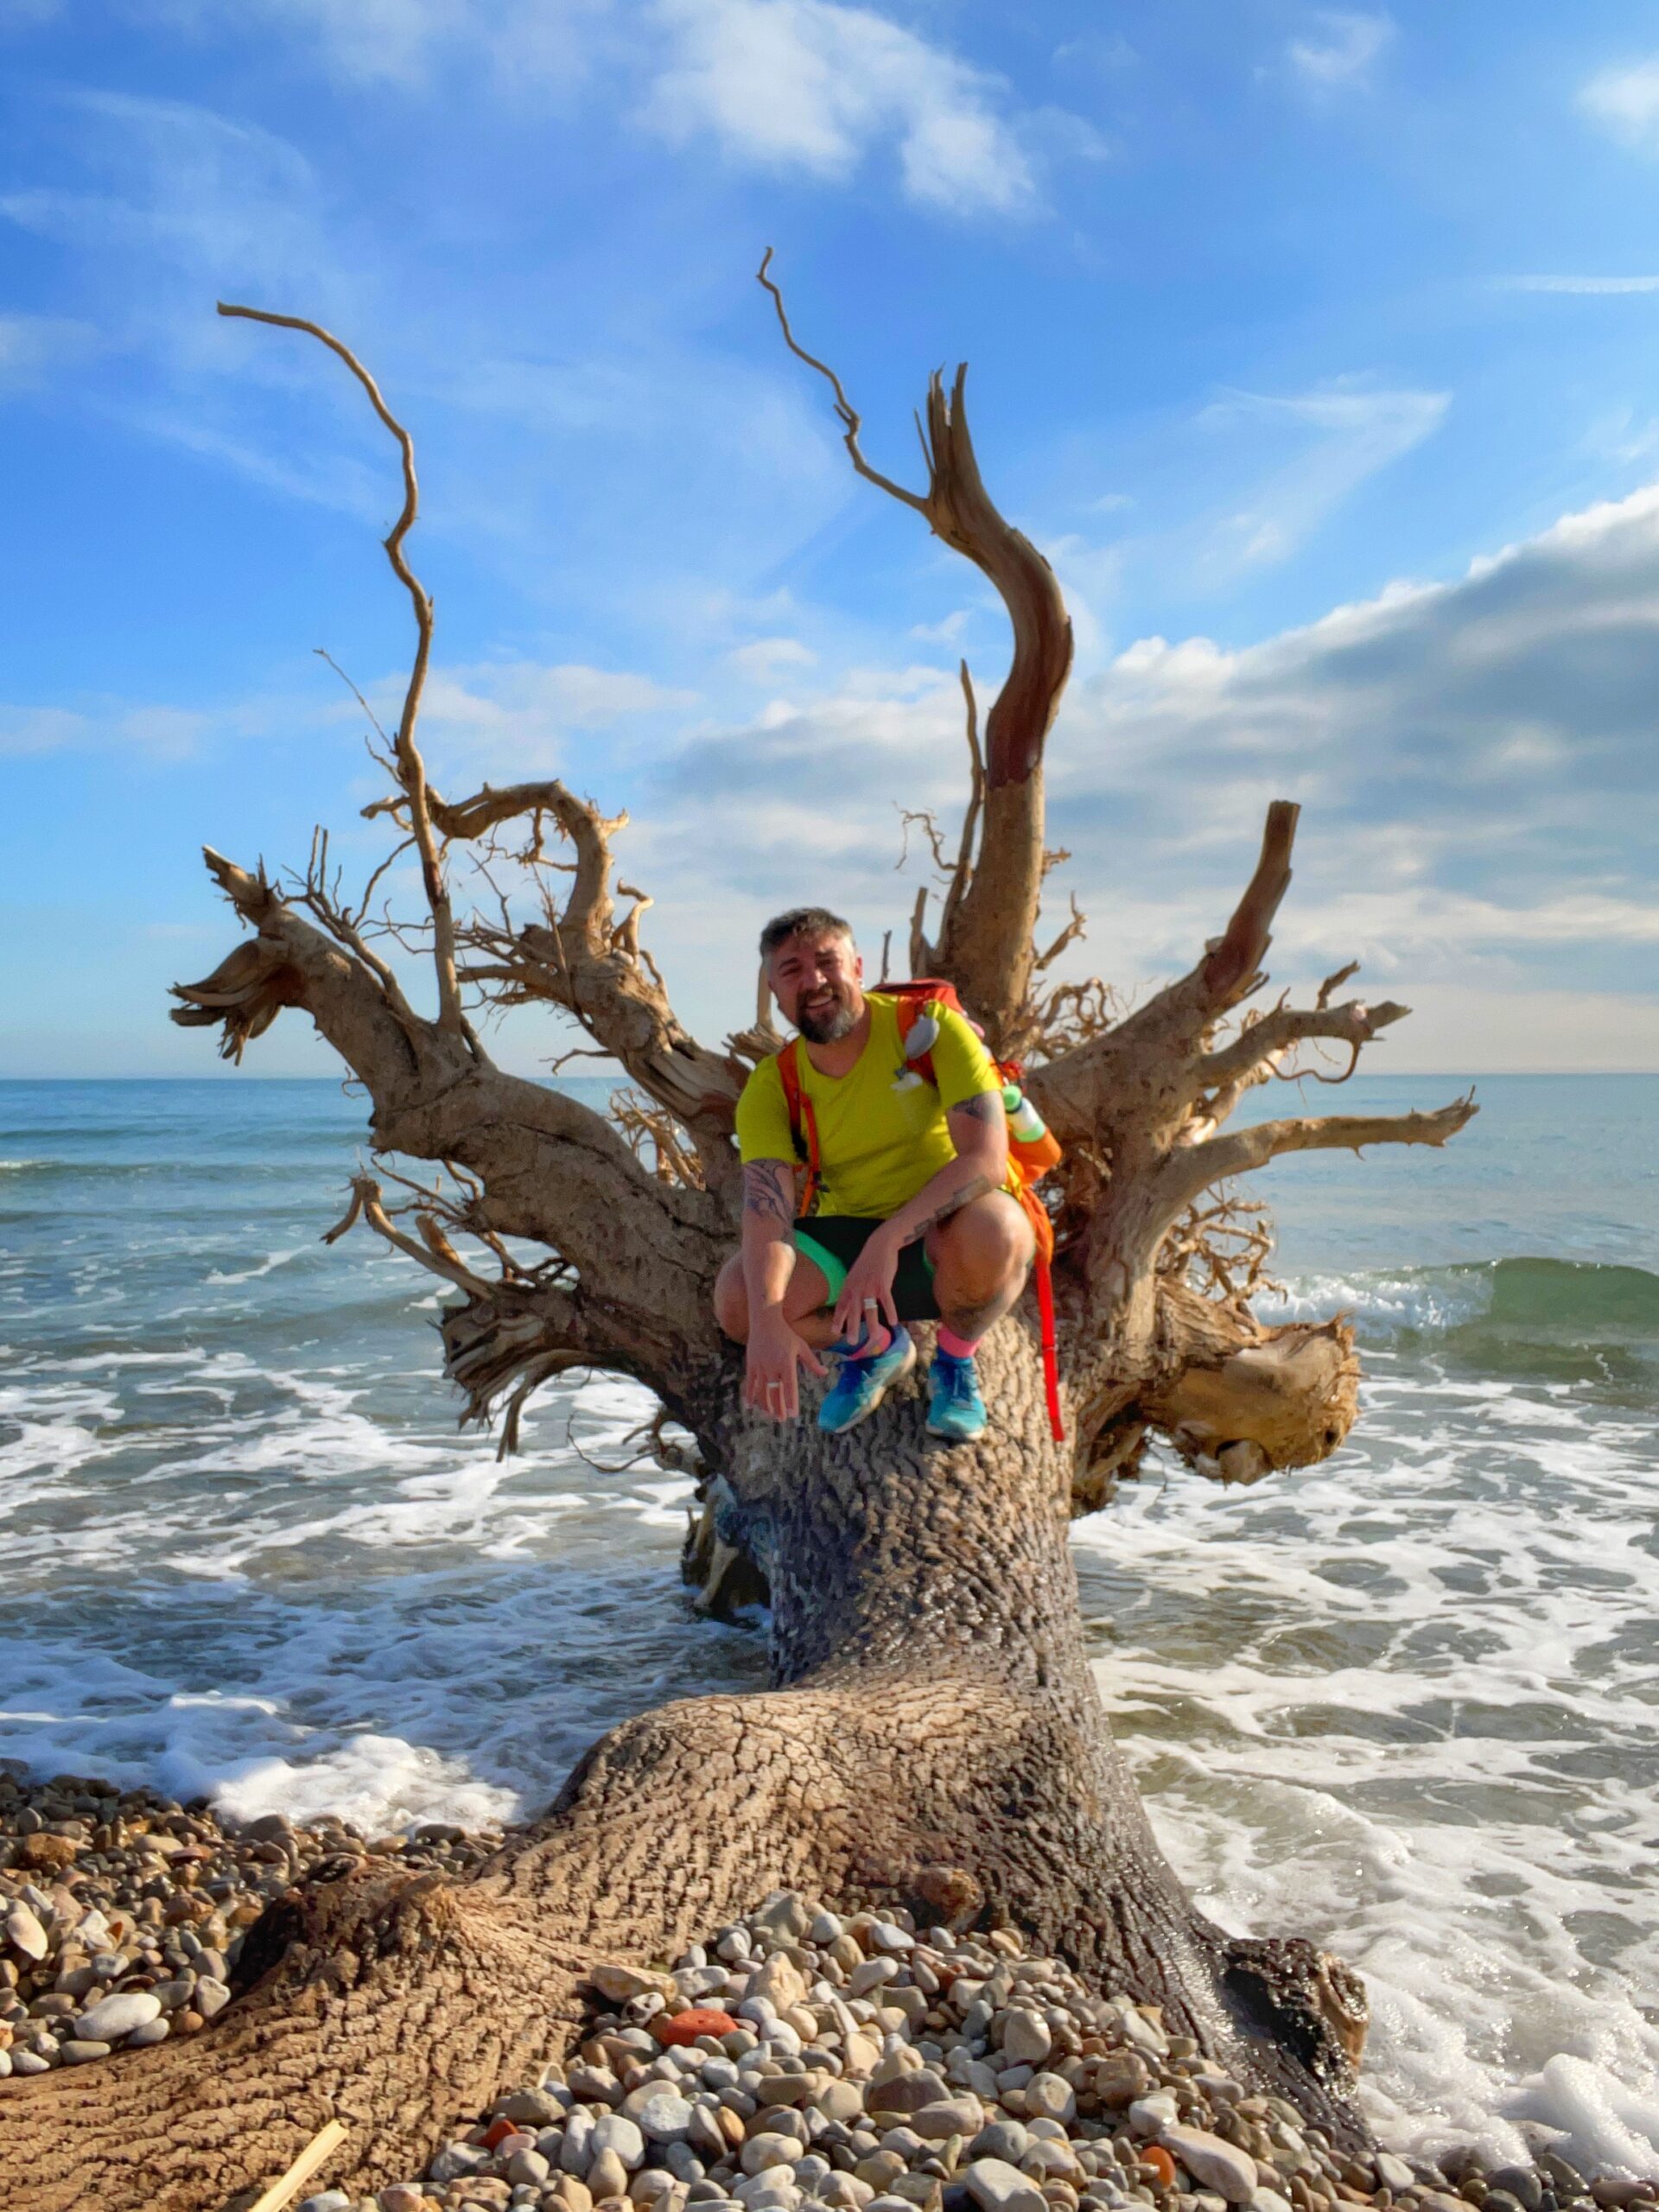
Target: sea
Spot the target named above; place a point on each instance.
(1406, 1703)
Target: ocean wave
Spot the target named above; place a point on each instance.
(1499, 1310)
(231, 1170)
(267, 1266)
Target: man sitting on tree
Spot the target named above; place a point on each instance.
(915, 1217)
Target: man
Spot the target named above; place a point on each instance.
(915, 1220)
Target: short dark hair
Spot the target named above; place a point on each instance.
(818, 920)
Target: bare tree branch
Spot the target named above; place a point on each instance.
(1230, 965)
(852, 422)
(411, 768)
(963, 874)
(985, 943)
(1075, 1089)
(1193, 1168)
(1354, 1025)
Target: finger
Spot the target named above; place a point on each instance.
(812, 1359)
(888, 1307)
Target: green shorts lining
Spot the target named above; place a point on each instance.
(833, 1242)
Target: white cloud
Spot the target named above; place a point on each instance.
(1625, 102)
(1589, 286)
(944, 631)
(1347, 45)
(1476, 758)
(808, 85)
(765, 658)
(1465, 1028)
(509, 718)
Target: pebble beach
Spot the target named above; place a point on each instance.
(795, 2059)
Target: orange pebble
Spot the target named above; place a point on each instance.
(1162, 2165)
(685, 2027)
(498, 2132)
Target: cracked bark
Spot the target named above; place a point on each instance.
(932, 1727)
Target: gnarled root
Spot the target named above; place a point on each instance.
(401, 2006)
(1236, 1406)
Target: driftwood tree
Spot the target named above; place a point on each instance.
(931, 1735)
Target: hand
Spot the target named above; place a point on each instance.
(866, 1294)
(770, 1383)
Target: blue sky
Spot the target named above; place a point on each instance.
(1320, 348)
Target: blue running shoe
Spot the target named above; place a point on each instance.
(955, 1409)
(863, 1382)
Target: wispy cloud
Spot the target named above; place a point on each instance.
(33, 347)
(409, 44)
(165, 732)
(189, 187)
(503, 717)
(1625, 102)
(510, 720)
(1344, 48)
(1348, 430)
(809, 85)
(1591, 286)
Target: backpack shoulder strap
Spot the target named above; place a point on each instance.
(911, 1002)
(803, 1122)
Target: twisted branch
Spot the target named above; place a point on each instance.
(411, 768)
(985, 945)
(1194, 1167)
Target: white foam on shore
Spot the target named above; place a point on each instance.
(1404, 1704)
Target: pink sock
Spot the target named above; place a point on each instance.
(958, 1347)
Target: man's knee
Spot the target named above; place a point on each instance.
(990, 1241)
(732, 1301)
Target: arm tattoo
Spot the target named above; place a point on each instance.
(954, 1204)
(769, 1190)
(985, 1106)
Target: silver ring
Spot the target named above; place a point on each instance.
(872, 1301)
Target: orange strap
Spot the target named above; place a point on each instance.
(1051, 1362)
(801, 1119)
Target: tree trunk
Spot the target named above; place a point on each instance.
(933, 1737)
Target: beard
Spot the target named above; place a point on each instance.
(826, 1024)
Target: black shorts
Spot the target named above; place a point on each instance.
(833, 1241)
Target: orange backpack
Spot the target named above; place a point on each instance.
(1033, 1149)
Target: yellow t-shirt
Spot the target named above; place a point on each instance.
(882, 1126)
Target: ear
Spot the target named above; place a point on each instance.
(858, 966)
